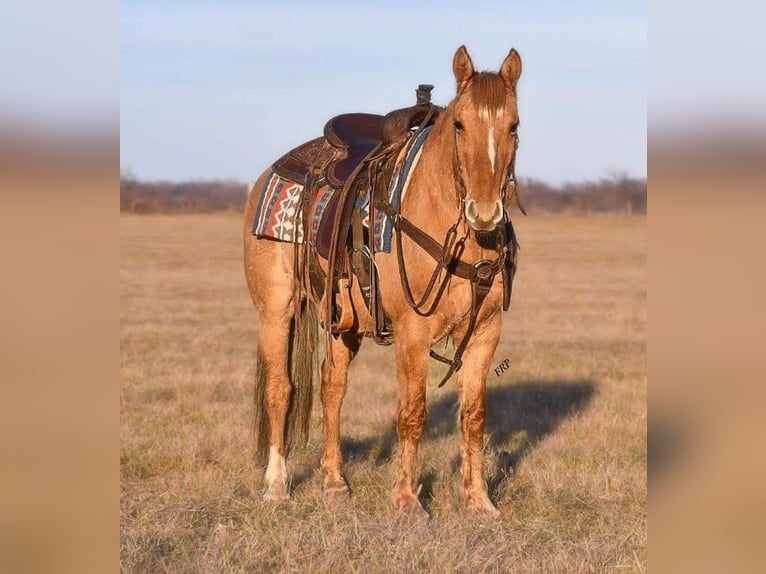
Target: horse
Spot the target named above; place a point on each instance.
(460, 182)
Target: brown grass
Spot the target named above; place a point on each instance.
(566, 428)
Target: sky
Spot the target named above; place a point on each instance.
(221, 89)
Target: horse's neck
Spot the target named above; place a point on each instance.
(431, 201)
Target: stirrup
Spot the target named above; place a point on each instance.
(343, 303)
(342, 307)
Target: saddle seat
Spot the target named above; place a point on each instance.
(355, 135)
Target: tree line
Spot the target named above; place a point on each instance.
(614, 194)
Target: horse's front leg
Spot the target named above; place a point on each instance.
(472, 385)
(334, 383)
(412, 344)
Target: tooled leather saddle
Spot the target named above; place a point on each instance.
(356, 157)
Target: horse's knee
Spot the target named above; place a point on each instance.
(472, 415)
(412, 420)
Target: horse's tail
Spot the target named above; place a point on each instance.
(304, 366)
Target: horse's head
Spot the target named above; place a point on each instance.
(485, 120)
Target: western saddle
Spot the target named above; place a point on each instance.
(356, 157)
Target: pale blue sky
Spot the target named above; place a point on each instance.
(221, 89)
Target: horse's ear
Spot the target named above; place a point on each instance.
(462, 66)
(510, 71)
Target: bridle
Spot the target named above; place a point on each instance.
(481, 274)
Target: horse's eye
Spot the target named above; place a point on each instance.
(515, 128)
(458, 126)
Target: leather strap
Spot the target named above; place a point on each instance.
(360, 261)
(346, 203)
(439, 252)
(480, 288)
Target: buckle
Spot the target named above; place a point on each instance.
(484, 269)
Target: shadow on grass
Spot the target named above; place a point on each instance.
(519, 415)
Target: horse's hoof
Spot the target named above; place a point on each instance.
(276, 493)
(336, 488)
(483, 507)
(408, 503)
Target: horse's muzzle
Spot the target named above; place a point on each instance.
(483, 216)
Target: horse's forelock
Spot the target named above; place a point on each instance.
(488, 92)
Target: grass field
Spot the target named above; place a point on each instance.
(566, 429)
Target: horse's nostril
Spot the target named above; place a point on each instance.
(486, 215)
(470, 210)
(498, 212)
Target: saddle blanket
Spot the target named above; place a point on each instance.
(277, 216)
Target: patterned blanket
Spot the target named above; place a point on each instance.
(277, 213)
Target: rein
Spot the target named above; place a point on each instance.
(447, 257)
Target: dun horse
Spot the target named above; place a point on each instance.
(461, 189)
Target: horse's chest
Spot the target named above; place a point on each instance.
(454, 311)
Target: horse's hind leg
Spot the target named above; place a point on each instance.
(273, 348)
(269, 273)
(334, 383)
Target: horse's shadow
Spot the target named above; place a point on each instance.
(518, 417)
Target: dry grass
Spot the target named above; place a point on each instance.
(566, 426)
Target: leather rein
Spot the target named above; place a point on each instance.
(481, 274)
